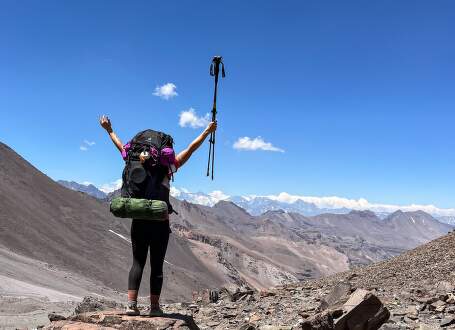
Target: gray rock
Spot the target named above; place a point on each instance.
(447, 321)
(444, 287)
(426, 300)
(363, 310)
(337, 296)
(55, 317)
(450, 298)
(390, 326)
(92, 304)
(321, 321)
(424, 326)
(438, 306)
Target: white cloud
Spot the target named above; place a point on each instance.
(218, 195)
(87, 183)
(86, 144)
(166, 92)
(89, 143)
(246, 143)
(335, 202)
(112, 186)
(201, 198)
(175, 192)
(189, 118)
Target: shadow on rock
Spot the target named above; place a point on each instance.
(189, 321)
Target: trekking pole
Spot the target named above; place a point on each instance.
(214, 71)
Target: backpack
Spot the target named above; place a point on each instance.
(144, 180)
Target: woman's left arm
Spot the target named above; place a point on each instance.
(184, 155)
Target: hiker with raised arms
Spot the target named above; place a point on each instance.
(150, 162)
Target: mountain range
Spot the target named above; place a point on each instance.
(255, 205)
(89, 188)
(57, 244)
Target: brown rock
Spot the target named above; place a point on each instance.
(69, 325)
(117, 319)
(255, 318)
(267, 293)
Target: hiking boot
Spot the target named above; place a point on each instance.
(131, 309)
(155, 311)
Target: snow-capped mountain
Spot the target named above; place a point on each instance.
(255, 205)
(308, 206)
(447, 219)
(260, 204)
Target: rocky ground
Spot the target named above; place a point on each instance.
(415, 290)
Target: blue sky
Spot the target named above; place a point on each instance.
(358, 94)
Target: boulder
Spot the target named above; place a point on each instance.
(362, 311)
(337, 296)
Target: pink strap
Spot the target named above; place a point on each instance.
(124, 152)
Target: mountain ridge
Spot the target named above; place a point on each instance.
(257, 205)
(210, 246)
(89, 189)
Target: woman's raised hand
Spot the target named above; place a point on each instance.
(212, 127)
(105, 123)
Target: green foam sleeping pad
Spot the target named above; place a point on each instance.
(136, 208)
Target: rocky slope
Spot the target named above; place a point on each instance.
(57, 245)
(74, 232)
(416, 289)
(61, 231)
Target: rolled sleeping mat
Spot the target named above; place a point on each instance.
(136, 208)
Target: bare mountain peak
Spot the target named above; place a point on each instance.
(364, 213)
(408, 214)
(230, 207)
(89, 189)
(396, 214)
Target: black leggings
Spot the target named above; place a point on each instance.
(147, 234)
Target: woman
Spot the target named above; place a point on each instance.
(153, 235)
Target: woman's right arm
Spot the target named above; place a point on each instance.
(184, 155)
(106, 124)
